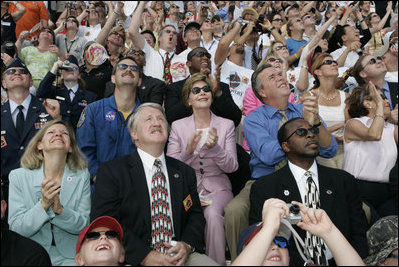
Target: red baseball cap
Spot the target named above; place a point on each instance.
(103, 221)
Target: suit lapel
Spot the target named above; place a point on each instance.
(326, 188)
(289, 189)
(139, 182)
(176, 193)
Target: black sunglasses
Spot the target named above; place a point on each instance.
(140, 52)
(304, 132)
(97, 235)
(272, 59)
(16, 71)
(202, 53)
(372, 61)
(131, 67)
(329, 62)
(277, 20)
(118, 34)
(197, 90)
(281, 242)
(277, 48)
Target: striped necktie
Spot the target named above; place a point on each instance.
(284, 119)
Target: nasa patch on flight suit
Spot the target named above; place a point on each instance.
(187, 202)
(82, 119)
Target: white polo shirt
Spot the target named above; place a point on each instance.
(155, 61)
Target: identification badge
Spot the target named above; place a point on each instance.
(187, 202)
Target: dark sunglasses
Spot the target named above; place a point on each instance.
(372, 61)
(197, 90)
(277, 48)
(272, 59)
(201, 54)
(97, 235)
(140, 52)
(118, 34)
(16, 71)
(281, 242)
(329, 62)
(304, 132)
(277, 20)
(131, 67)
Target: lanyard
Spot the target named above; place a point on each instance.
(66, 44)
(210, 47)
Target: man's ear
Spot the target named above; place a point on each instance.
(113, 79)
(188, 64)
(262, 93)
(134, 136)
(79, 260)
(285, 147)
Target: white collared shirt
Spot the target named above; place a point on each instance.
(351, 58)
(300, 178)
(154, 66)
(149, 169)
(74, 90)
(14, 108)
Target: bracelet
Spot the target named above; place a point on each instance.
(305, 67)
(296, 56)
(317, 124)
(379, 115)
(116, 12)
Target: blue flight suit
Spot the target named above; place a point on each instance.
(70, 111)
(102, 133)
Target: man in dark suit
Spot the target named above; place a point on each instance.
(124, 190)
(337, 189)
(72, 96)
(22, 115)
(150, 89)
(199, 60)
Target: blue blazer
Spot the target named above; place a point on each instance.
(28, 217)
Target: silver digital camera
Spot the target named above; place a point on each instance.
(295, 215)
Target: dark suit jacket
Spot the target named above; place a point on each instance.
(70, 110)
(338, 197)
(393, 89)
(222, 106)
(150, 90)
(121, 192)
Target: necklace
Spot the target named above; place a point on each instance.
(329, 98)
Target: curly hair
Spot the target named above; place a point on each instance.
(354, 102)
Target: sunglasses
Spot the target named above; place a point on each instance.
(46, 30)
(97, 235)
(304, 132)
(272, 59)
(281, 242)
(329, 62)
(201, 54)
(277, 20)
(131, 67)
(372, 61)
(278, 48)
(197, 90)
(307, 17)
(118, 34)
(16, 71)
(140, 52)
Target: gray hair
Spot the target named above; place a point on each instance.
(256, 82)
(164, 27)
(134, 119)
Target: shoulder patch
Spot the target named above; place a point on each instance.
(82, 119)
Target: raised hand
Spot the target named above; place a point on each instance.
(49, 190)
(193, 142)
(212, 138)
(311, 107)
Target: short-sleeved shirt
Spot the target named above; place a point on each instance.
(74, 47)
(38, 63)
(293, 46)
(35, 11)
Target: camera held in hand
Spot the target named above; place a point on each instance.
(66, 65)
(9, 48)
(295, 215)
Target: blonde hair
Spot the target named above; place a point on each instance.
(188, 85)
(33, 157)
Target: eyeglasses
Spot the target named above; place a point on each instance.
(97, 235)
(118, 34)
(46, 30)
(281, 242)
(278, 48)
(278, 20)
(131, 67)
(170, 31)
(16, 71)
(202, 53)
(329, 62)
(174, 6)
(304, 132)
(140, 52)
(372, 61)
(197, 90)
(272, 59)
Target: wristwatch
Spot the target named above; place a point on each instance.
(192, 249)
(317, 124)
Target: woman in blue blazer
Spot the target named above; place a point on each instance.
(49, 199)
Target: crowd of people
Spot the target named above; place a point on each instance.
(199, 133)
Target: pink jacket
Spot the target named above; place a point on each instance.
(214, 162)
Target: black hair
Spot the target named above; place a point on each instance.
(150, 33)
